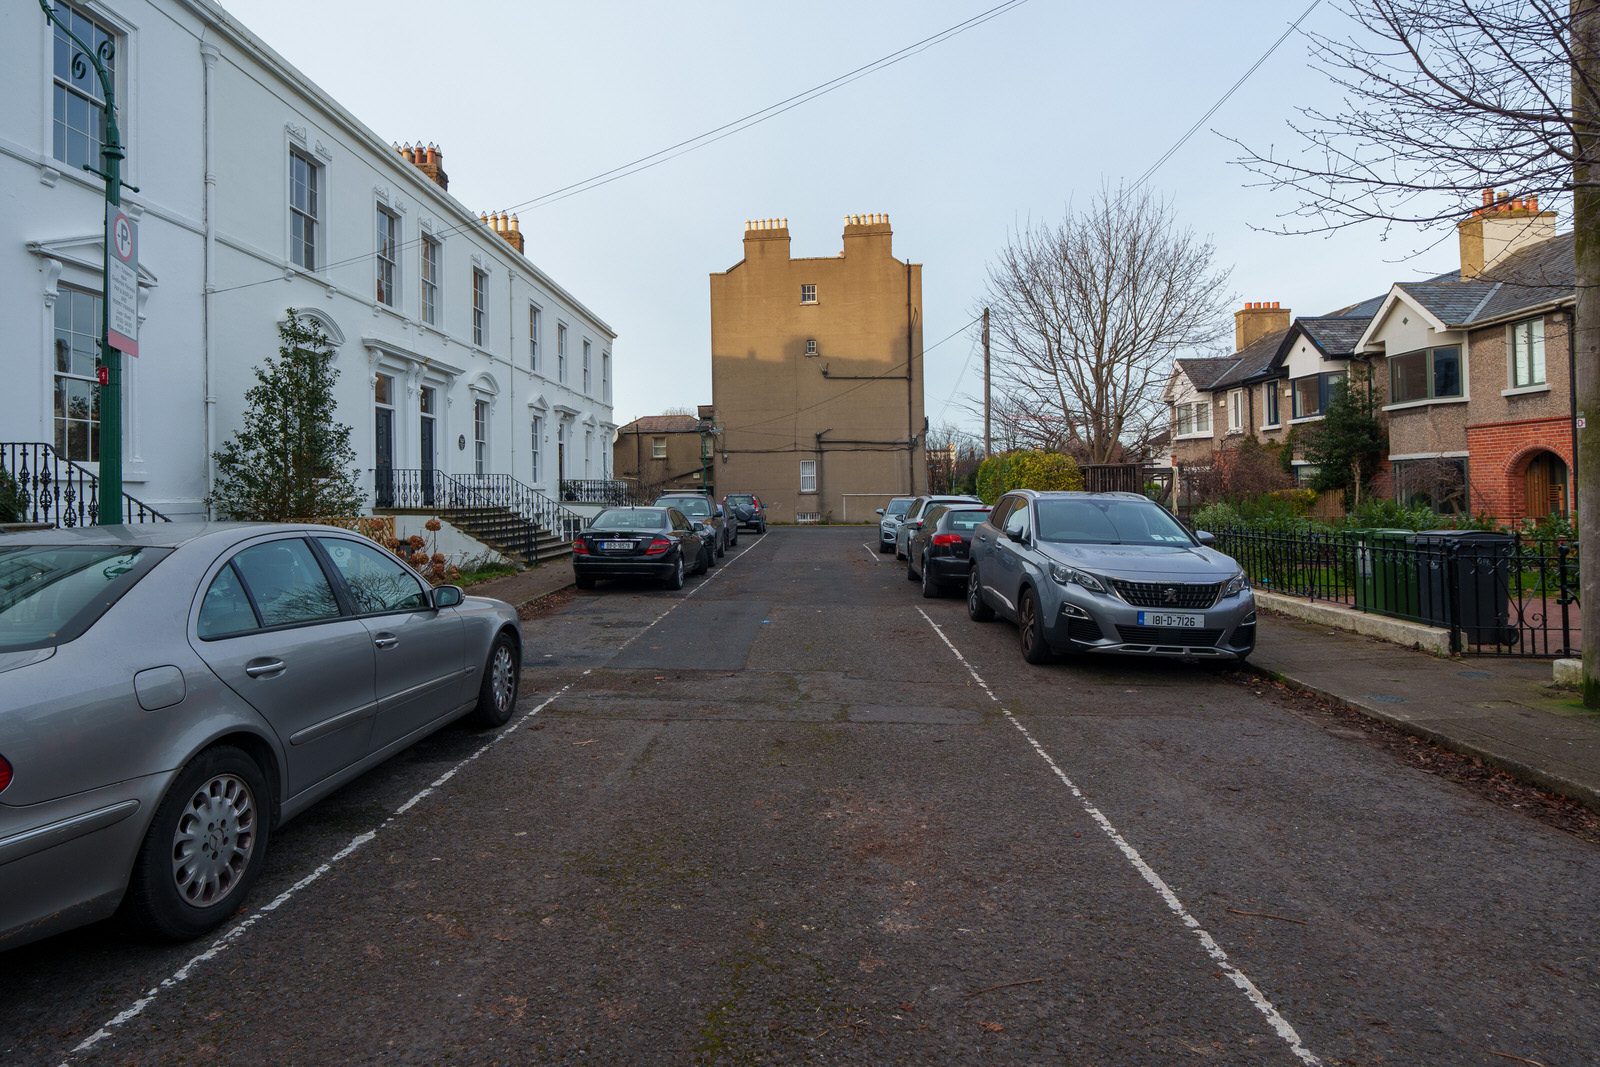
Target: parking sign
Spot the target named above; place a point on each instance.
(122, 280)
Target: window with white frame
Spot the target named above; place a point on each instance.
(605, 376)
(480, 436)
(588, 453)
(811, 346)
(658, 448)
(480, 307)
(533, 336)
(1236, 411)
(1194, 418)
(78, 109)
(305, 209)
(586, 347)
(808, 476)
(388, 258)
(537, 435)
(77, 394)
(1527, 354)
(808, 294)
(430, 280)
(561, 352)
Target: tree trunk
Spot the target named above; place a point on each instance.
(1586, 328)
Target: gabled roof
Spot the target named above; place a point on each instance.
(662, 424)
(1251, 361)
(1204, 371)
(1335, 337)
(1543, 274)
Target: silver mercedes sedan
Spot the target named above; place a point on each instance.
(169, 695)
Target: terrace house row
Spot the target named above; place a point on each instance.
(1470, 370)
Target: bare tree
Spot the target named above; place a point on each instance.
(953, 458)
(1088, 314)
(1444, 98)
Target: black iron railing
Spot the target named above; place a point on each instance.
(599, 491)
(410, 488)
(504, 491)
(1497, 594)
(55, 490)
(1154, 482)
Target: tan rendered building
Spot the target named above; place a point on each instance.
(816, 375)
(657, 453)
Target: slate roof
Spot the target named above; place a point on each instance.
(1205, 371)
(1335, 336)
(662, 424)
(1253, 359)
(1542, 274)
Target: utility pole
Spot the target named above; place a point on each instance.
(988, 438)
(119, 274)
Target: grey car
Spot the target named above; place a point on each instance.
(1107, 572)
(170, 695)
(913, 518)
(703, 511)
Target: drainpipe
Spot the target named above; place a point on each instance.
(822, 501)
(209, 53)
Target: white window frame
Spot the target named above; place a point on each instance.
(313, 217)
(658, 448)
(1534, 343)
(537, 432)
(386, 258)
(480, 434)
(808, 476)
(808, 292)
(480, 306)
(535, 322)
(65, 297)
(118, 36)
(605, 375)
(428, 272)
(561, 352)
(811, 346)
(587, 349)
(1236, 411)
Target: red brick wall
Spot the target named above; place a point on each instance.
(1499, 455)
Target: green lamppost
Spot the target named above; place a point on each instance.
(119, 275)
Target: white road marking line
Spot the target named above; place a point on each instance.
(1279, 1024)
(237, 931)
(871, 553)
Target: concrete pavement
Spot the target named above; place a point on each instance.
(1501, 710)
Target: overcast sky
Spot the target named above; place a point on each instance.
(1012, 120)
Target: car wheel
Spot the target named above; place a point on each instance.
(675, 579)
(977, 610)
(722, 545)
(708, 559)
(883, 547)
(204, 848)
(583, 581)
(911, 570)
(497, 693)
(931, 587)
(1034, 647)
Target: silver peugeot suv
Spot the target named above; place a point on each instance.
(1107, 572)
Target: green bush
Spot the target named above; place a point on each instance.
(11, 506)
(1214, 517)
(1026, 470)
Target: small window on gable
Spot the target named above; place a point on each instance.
(811, 346)
(808, 294)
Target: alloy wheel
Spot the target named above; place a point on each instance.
(215, 837)
(503, 679)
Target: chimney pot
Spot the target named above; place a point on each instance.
(1533, 203)
(1488, 197)
(516, 224)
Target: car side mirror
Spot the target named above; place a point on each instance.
(448, 596)
(1017, 535)
(880, 511)
(1205, 539)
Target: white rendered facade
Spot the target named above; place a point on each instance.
(214, 120)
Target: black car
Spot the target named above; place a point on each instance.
(703, 511)
(939, 552)
(746, 509)
(641, 543)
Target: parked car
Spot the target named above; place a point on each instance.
(889, 518)
(1107, 572)
(938, 554)
(746, 509)
(656, 542)
(702, 509)
(919, 507)
(170, 695)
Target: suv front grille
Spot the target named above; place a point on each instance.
(1154, 594)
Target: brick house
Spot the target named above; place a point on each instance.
(660, 452)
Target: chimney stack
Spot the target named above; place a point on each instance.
(507, 225)
(1503, 226)
(427, 159)
(1255, 320)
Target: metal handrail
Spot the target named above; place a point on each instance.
(505, 491)
(61, 492)
(612, 491)
(398, 487)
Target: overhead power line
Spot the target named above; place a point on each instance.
(707, 138)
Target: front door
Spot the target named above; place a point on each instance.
(383, 457)
(426, 455)
(421, 669)
(1545, 486)
(284, 648)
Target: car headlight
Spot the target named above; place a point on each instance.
(1073, 576)
(1235, 585)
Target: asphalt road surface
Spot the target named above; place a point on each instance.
(795, 812)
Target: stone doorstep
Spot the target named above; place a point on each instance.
(1434, 639)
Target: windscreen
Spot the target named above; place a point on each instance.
(966, 520)
(1108, 522)
(50, 594)
(696, 507)
(630, 519)
(898, 508)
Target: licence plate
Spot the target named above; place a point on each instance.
(1176, 620)
(616, 546)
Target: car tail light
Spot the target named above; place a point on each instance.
(947, 539)
(5, 773)
(657, 547)
(580, 548)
